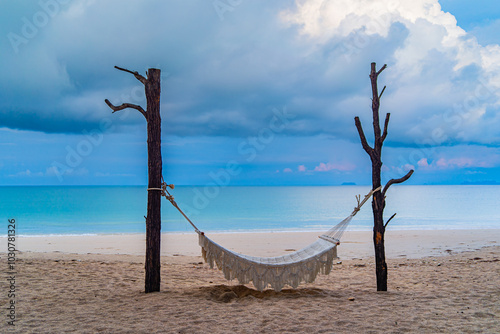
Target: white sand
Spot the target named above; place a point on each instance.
(438, 283)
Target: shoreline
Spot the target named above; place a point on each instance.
(243, 231)
(354, 244)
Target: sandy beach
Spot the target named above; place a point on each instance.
(439, 281)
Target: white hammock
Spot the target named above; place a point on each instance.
(290, 269)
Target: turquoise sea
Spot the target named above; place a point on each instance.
(114, 210)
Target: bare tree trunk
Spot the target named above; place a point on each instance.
(153, 220)
(378, 202)
(378, 242)
(152, 86)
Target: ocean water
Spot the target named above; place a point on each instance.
(115, 210)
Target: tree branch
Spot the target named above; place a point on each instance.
(364, 143)
(125, 106)
(383, 68)
(393, 181)
(383, 89)
(386, 125)
(389, 220)
(375, 103)
(136, 74)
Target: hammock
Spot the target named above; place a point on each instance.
(290, 269)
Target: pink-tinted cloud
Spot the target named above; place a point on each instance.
(461, 162)
(302, 168)
(287, 170)
(423, 163)
(408, 167)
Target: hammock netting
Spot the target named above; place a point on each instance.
(276, 272)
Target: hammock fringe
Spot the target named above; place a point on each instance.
(249, 269)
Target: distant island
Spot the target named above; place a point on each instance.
(348, 183)
(483, 183)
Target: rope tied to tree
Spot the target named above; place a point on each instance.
(362, 202)
(170, 198)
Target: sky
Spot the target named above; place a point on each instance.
(253, 92)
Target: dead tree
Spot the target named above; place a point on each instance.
(378, 202)
(152, 88)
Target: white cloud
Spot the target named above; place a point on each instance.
(460, 162)
(343, 167)
(107, 174)
(435, 67)
(225, 79)
(27, 173)
(323, 19)
(53, 171)
(454, 163)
